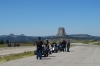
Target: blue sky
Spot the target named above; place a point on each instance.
(44, 17)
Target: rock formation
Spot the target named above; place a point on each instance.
(61, 32)
(11, 34)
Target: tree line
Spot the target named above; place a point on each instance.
(2, 42)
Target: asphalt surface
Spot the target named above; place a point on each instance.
(80, 55)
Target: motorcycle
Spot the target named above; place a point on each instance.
(54, 48)
(60, 47)
(44, 51)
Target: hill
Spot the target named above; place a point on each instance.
(23, 38)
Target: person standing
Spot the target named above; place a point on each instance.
(60, 46)
(68, 46)
(18, 44)
(47, 44)
(64, 45)
(10, 44)
(39, 44)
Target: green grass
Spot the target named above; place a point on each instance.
(85, 42)
(51, 41)
(3, 45)
(96, 43)
(26, 44)
(82, 41)
(21, 44)
(16, 56)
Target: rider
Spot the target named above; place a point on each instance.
(60, 43)
(55, 44)
(47, 45)
(39, 44)
(68, 46)
(64, 44)
(52, 45)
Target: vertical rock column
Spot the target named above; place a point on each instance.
(61, 32)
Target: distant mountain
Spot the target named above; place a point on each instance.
(80, 35)
(11, 34)
(83, 36)
(23, 38)
(22, 35)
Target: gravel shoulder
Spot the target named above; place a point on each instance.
(14, 50)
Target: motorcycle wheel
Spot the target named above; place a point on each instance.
(49, 52)
(44, 55)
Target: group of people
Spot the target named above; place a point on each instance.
(65, 44)
(16, 44)
(39, 44)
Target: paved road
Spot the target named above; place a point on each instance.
(80, 55)
(14, 50)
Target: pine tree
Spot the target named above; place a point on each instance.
(7, 41)
(2, 42)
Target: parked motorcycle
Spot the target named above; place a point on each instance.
(44, 51)
(54, 48)
(60, 47)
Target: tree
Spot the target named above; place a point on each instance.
(7, 41)
(1, 42)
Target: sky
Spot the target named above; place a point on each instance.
(44, 17)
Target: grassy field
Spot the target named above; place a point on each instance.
(57, 41)
(3, 45)
(16, 56)
(86, 42)
(21, 44)
(96, 43)
(83, 41)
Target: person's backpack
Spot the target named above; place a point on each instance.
(68, 43)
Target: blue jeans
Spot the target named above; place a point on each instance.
(64, 48)
(68, 47)
(39, 53)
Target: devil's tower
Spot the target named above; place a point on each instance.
(61, 32)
